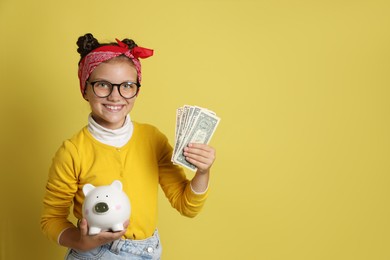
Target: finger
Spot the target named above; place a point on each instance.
(199, 154)
(200, 161)
(106, 237)
(199, 157)
(83, 227)
(200, 146)
(201, 167)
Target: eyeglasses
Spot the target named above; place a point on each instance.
(103, 88)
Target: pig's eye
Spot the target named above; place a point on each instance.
(106, 196)
(97, 197)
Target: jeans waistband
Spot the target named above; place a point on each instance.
(150, 244)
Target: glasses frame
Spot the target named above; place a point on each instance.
(92, 83)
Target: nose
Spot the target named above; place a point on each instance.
(115, 95)
(101, 208)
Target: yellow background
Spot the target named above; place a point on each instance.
(302, 87)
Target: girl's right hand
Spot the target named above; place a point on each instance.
(100, 239)
(78, 238)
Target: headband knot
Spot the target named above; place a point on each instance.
(122, 44)
(107, 52)
(139, 52)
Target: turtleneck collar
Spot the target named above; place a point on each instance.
(117, 137)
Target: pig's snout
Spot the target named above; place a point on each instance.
(101, 208)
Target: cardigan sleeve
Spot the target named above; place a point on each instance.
(174, 183)
(60, 190)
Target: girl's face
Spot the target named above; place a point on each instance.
(110, 112)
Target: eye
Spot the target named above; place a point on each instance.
(102, 84)
(128, 85)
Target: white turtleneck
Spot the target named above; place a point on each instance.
(117, 137)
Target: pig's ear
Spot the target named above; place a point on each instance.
(117, 184)
(87, 188)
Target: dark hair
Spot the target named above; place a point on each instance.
(88, 42)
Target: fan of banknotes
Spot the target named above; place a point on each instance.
(193, 125)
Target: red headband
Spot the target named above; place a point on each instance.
(107, 52)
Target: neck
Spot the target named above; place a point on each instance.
(114, 137)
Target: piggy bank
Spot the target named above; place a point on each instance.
(105, 208)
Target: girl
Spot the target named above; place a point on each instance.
(112, 147)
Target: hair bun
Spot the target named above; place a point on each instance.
(86, 44)
(129, 43)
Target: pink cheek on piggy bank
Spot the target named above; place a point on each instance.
(118, 207)
(86, 211)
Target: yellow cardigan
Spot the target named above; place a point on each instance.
(141, 165)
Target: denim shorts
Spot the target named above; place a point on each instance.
(149, 248)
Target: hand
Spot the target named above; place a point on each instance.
(78, 238)
(200, 155)
(102, 238)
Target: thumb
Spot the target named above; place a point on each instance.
(83, 227)
(126, 224)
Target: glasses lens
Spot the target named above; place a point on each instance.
(102, 88)
(128, 89)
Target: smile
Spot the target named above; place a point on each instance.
(114, 108)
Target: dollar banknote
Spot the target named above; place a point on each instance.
(193, 125)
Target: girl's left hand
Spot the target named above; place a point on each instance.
(200, 155)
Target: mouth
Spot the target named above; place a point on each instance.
(113, 108)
